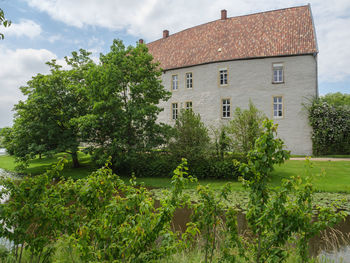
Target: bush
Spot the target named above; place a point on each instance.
(331, 128)
(191, 139)
(244, 129)
(214, 168)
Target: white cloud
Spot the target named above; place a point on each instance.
(20, 66)
(27, 28)
(54, 38)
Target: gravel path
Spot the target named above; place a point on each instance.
(322, 159)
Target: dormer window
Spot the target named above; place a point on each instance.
(277, 73)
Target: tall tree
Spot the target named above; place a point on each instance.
(3, 22)
(44, 123)
(337, 99)
(125, 90)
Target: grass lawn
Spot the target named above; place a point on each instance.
(337, 178)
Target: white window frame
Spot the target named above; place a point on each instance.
(223, 77)
(175, 110)
(226, 108)
(188, 105)
(277, 107)
(189, 80)
(174, 82)
(277, 73)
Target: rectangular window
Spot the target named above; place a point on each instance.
(223, 77)
(226, 108)
(175, 110)
(189, 80)
(188, 105)
(277, 73)
(174, 82)
(277, 107)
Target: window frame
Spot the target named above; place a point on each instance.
(277, 103)
(172, 82)
(219, 77)
(186, 106)
(277, 65)
(186, 80)
(222, 108)
(172, 110)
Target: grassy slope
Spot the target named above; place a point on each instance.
(337, 178)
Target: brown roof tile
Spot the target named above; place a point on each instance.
(274, 33)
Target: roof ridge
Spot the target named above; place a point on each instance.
(257, 13)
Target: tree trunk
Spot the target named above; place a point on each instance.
(75, 160)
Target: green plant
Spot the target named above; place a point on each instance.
(275, 216)
(209, 213)
(330, 128)
(191, 139)
(244, 128)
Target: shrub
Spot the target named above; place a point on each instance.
(244, 129)
(191, 139)
(331, 128)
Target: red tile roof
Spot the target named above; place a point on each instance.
(281, 32)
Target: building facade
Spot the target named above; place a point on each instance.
(268, 58)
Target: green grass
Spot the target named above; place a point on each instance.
(39, 166)
(337, 178)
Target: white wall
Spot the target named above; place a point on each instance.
(250, 79)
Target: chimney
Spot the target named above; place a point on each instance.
(141, 41)
(223, 14)
(165, 33)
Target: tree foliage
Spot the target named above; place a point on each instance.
(244, 129)
(124, 92)
(43, 123)
(3, 22)
(337, 99)
(191, 139)
(330, 128)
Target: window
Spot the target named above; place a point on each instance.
(277, 107)
(188, 105)
(223, 77)
(175, 110)
(226, 109)
(277, 73)
(174, 82)
(189, 80)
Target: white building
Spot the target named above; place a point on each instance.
(269, 58)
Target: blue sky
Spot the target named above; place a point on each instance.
(45, 29)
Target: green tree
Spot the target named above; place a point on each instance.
(337, 99)
(44, 123)
(191, 139)
(124, 91)
(3, 22)
(244, 129)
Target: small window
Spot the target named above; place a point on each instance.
(277, 107)
(277, 73)
(188, 105)
(175, 110)
(174, 82)
(223, 77)
(226, 108)
(189, 81)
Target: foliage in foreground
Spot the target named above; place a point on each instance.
(101, 219)
(100, 216)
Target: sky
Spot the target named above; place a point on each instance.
(42, 30)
